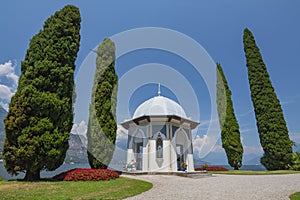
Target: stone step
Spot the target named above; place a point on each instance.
(195, 174)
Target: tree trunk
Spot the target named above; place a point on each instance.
(236, 168)
(32, 176)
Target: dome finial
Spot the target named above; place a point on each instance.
(158, 89)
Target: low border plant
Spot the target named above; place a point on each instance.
(85, 174)
(212, 168)
(295, 196)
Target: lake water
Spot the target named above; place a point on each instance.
(66, 167)
(44, 174)
(247, 167)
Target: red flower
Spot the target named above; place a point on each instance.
(212, 168)
(83, 174)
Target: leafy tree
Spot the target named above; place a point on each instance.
(230, 133)
(270, 121)
(41, 111)
(296, 162)
(102, 124)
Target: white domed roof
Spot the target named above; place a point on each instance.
(159, 105)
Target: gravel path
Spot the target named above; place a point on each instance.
(222, 187)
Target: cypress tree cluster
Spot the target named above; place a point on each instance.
(102, 124)
(41, 111)
(271, 124)
(230, 133)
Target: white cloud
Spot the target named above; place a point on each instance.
(197, 143)
(122, 133)
(202, 143)
(80, 128)
(295, 136)
(8, 83)
(14, 78)
(4, 105)
(5, 92)
(8, 70)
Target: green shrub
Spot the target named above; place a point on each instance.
(296, 162)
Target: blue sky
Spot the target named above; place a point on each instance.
(217, 25)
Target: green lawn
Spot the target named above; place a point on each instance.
(113, 189)
(248, 172)
(295, 196)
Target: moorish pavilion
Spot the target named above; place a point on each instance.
(160, 136)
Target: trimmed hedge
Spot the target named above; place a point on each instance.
(212, 168)
(82, 174)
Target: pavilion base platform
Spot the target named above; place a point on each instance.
(195, 174)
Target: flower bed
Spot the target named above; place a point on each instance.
(81, 174)
(212, 168)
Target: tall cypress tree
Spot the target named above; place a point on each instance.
(41, 111)
(102, 124)
(230, 133)
(270, 121)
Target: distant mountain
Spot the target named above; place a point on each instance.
(296, 147)
(220, 158)
(252, 159)
(213, 158)
(2, 134)
(77, 152)
(2, 115)
(77, 143)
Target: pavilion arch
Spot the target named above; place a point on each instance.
(182, 145)
(138, 142)
(155, 136)
(155, 133)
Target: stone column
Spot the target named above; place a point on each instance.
(190, 163)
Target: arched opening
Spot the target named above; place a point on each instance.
(181, 144)
(138, 149)
(159, 147)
